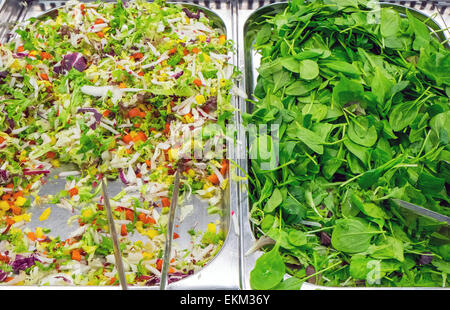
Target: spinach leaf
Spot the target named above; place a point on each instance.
(390, 22)
(362, 132)
(402, 115)
(268, 272)
(310, 138)
(309, 70)
(300, 88)
(264, 34)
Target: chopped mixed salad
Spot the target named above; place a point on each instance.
(112, 88)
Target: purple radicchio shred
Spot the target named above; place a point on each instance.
(69, 61)
(10, 123)
(20, 55)
(211, 104)
(325, 239)
(122, 177)
(425, 259)
(3, 75)
(35, 172)
(310, 270)
(173, 277)
(153, 281)
(22, 263)
(3, 275)
(97, 115)
(4, 176)
(64, 278)
(192, 15)
(177, 75)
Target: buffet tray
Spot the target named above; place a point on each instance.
(225, 264)
(230, 268)
(434, 16)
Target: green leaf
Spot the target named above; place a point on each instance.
(264, 34)
(309, 69)
(441, 265)
(389, 247)
(268, 272)
(291, 283)
(402, 115)
(390, 22)
(369, 208)
(297, 237)
(359, 151)
(291, 207)
(381, 86)
(281, 79)
(430, 184)
(311, 139)
(359, 267)
(362, 132)
(348, 91)
(422, 35)
(267, 222)
(274, 201)
(301, 88)
(351, 235)
(318, 111)
(435, 65)
(330, 167)
(341, 66)
(440, 124)
(291, 64)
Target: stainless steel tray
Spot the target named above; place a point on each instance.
(250, 61)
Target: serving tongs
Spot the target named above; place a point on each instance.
(113, 233)
(169, 234)
(422, 211)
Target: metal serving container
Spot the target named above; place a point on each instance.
(230, 268)
(250, 61)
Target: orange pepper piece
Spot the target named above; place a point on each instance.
(213, 179)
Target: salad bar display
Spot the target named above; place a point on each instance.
(310, 137)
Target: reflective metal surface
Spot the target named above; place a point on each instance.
(116, 244)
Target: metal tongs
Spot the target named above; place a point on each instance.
(169, 234)
(112, 231)
(423, 211)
